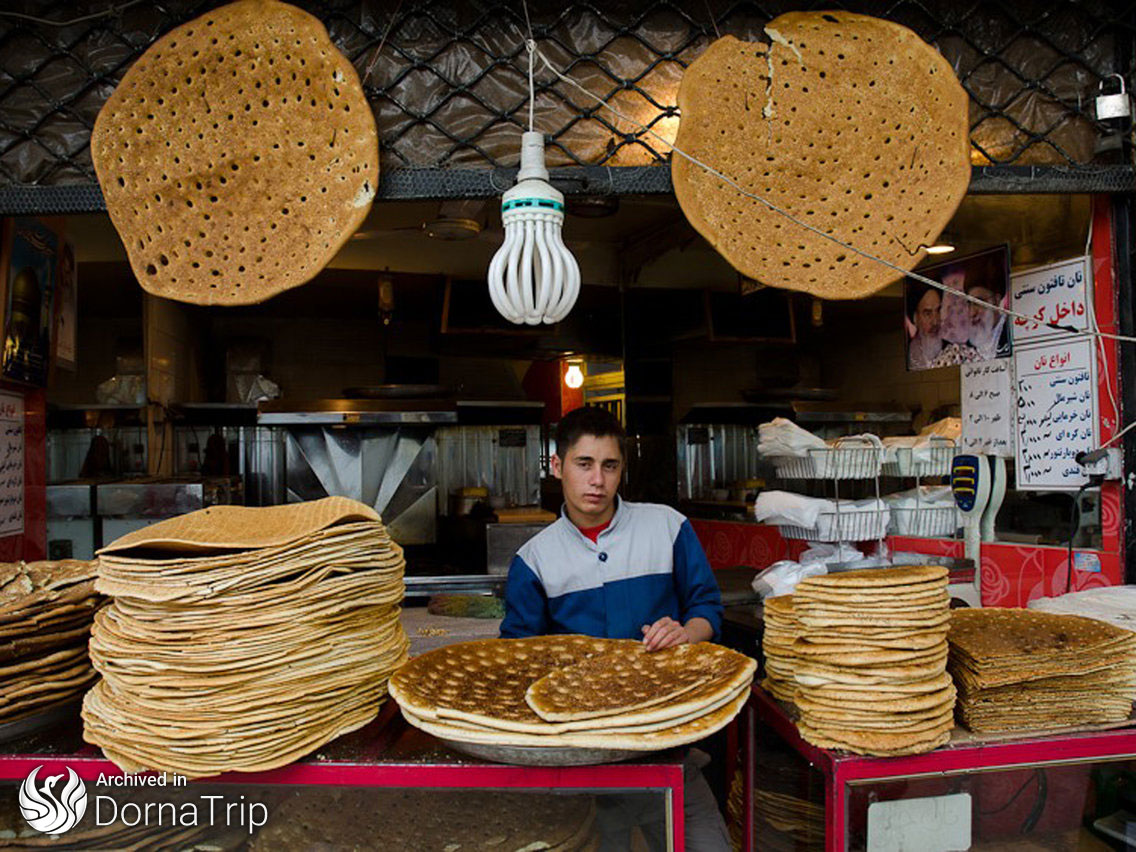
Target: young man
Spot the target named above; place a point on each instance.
(622, 571)
(608, 567)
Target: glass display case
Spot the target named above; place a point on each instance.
(1045, 792)
(387, 785)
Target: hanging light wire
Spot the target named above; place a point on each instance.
(530, 44)
(113, 10)
(533, 277)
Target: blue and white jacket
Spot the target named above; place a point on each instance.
(648, 563)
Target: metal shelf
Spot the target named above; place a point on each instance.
(402, 184)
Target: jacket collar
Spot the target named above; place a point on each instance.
(620, 513)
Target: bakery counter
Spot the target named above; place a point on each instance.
(386, 754)
(427, 631)
(1061, 791)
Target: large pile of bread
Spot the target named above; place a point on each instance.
(867, 656)
(1017, 669)
(46, 610)
(863, 658)
(243, 638)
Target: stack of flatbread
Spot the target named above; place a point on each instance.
(573, 691)
(871, 660)
(1018, 669)
(46, 609)
(786, 821)
(473, 820)
(781, 630)
(735, 810)
(243, 638)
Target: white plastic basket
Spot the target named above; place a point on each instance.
(850, 458)
(924, 521)
(934, 460)
(845, 524)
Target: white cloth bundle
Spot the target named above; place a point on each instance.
(827, 554)
(785, 439)
(936, 496)
(928, 510)
(787, 509)
(781, 578)
(851, 520)
(922, 447)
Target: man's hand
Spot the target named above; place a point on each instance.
(664, 633)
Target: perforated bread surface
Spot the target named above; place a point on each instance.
(1026, 634)
(486, 680)
(849, 123)
(630, 679)
(237, 155)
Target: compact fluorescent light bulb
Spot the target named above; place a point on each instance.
(533, 278)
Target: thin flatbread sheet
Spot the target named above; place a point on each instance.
(851, 124)
(237, 155)
(243, 527)
(631, 680)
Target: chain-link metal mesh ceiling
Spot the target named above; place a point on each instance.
(449, 88)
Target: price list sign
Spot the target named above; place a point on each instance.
(988, 408)
(1057, 293)
(1055, 387)
(11, 464)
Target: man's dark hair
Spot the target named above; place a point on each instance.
(987, 272)
(913, 295)
(589, 420)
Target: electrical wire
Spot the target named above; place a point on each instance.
(713, 20)
(1012, 799)
(1038, 809)
(1118, 435)
(530, 43)
(113, 10)
(532, 85)
(382, 41)
(938, 285)
(1074, 526)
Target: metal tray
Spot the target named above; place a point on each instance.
(541, 755)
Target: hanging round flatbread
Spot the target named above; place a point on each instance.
(851, 124)
(237, 155)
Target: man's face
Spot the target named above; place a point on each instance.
(956, 279)
(977, 312)
(927, 314)
(589, 473)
